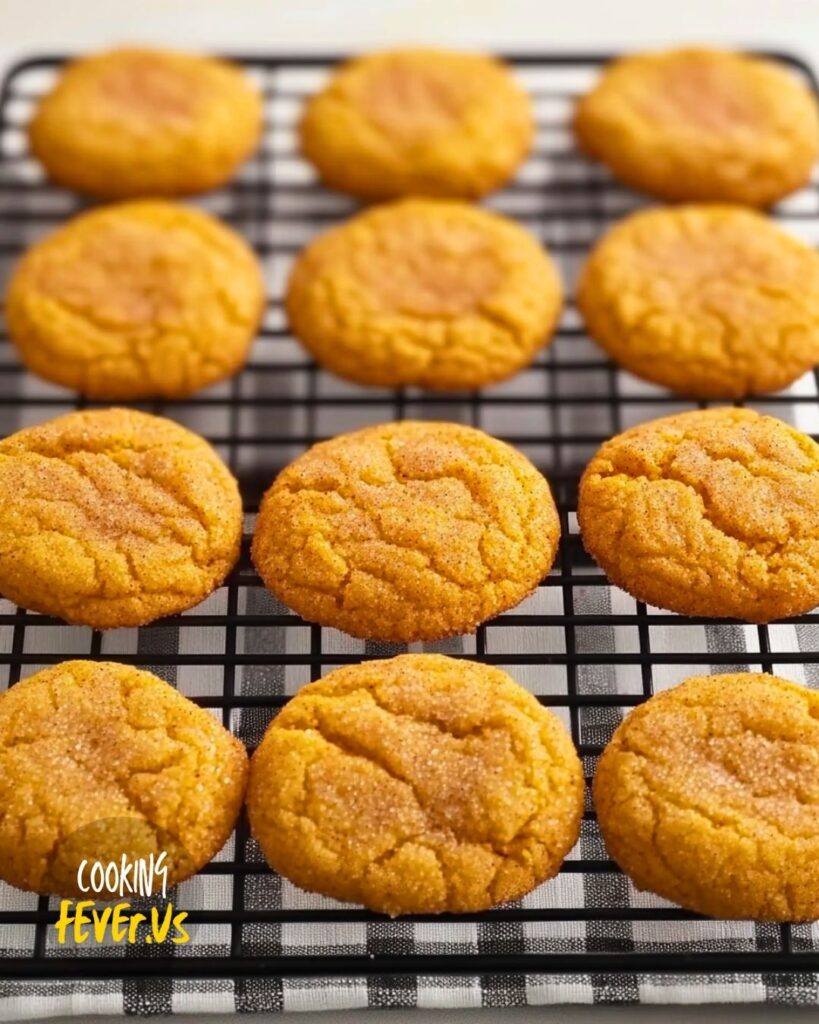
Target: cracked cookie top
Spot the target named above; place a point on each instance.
(418, 122)
(708, 794)
(113, 518)
(98, 760)
(140, 122)
(711, 301)
(137, 300)
(712, 513)
(422, 784)
(406, 531)
(433, 293)
(702, 124)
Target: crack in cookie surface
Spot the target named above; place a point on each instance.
(406, 531)
(710, 513)
(712, 301)
(99, 759)
(141, 299)
(436, 294)
(114, 518)
(420, 784)
(708, 795)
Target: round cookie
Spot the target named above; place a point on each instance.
(422, 784)
(712, 513)
(98, 760)
(114, 518)
(134, 122)
(418, 122)
(708, 794)
(702, 124)
(139, 300)
(406, 531)
(428, 292)
(711, 301)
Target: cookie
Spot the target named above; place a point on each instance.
(702, 124)
(113, 518)
(406, 531)
(418, 122)
(712, 513)
(422, 784)
(710, 301)
(100, 760)
(139, 122)
(708, 795)
(424, 292)
(139, 300)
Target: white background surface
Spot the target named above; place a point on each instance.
(30, 26)
(354, 24)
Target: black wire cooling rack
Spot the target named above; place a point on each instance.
(587, 650)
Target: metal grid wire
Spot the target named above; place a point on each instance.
(586, 649)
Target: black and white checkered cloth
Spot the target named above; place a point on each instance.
(560, 410)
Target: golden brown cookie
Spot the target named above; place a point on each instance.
(134, 122)
(712, 301)
(416, 785)
(708, 794)
(406, 531)
(113, 517)
(142, 299)
(418, 122)
(423, 291)
(702, 124)
(98, 760)
(712, 513)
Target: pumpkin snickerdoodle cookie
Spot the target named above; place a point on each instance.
(418, 122)
(427, 292)
(712, 513)
(416, 785)
(406, 531)
(711, 301)
(708, 794)
(114, 518)
(100, 760)
(140, 122)
(702, 124)
(138, 300)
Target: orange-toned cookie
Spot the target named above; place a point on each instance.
(712, 513)
(113, 517)
(428, 292)
(418, 122)
(406, 531)
(708, 794)
(711, 301)
(140, 122)
(417, 785)
(100, 761)
(702, 124)
(137, 300)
